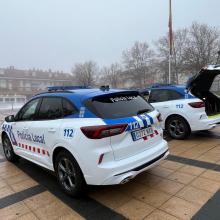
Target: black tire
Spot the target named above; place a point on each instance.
(69, 174)
(178, 128)
(8, 149)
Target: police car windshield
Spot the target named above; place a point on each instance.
(118, 105)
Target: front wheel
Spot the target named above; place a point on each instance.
(8, 149)
(178, 128)
(69, 174)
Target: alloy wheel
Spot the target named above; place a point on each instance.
(176, 128)
(7, 147)
(66, 174)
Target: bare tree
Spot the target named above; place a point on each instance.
(193, 48)
(202, 47)
(177, 62)
(85, 74)
(111, 75)
(137, 60)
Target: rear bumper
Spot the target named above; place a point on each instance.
(116, 172)
(205, 124)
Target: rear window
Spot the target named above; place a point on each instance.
(118, 105)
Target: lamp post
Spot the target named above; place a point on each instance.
(218, 57)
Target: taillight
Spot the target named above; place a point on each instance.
(159, 117)
(197, 104)
(102, 131)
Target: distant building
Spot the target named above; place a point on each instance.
(14, 82)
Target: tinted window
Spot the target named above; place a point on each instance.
(118, 105)
(164, 95)
(28, 111)
(50, 108)
(215, 88)
(68, 108)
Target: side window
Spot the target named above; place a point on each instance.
(164, 95)
(68, 108)
(50, 108)
(27, 113)
(158, 96)
(173, 95)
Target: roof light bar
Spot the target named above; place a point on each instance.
(161, 85)
(63, 88)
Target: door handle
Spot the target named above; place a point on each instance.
(166, 106)
(52, 130)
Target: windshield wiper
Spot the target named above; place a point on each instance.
(142, 111)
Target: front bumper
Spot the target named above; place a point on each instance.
(117, 172)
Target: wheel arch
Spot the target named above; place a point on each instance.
(57, 150)
(176, 115)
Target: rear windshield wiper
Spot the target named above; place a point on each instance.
(143, 111)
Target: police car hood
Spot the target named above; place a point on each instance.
(200, 84)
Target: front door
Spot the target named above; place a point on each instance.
(45, 130)
(21, 128)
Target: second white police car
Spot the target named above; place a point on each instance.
(87, 136)
(191, 107)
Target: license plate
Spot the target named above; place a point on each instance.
(136, 135)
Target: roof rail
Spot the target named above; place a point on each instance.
(63, 88)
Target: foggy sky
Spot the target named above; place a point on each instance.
(58, 33)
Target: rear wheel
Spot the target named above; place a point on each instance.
(8, 149)
(178, 128)
(69, 174)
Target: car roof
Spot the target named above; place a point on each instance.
(179, 88)
(77, 96)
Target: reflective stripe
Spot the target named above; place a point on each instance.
(143, 118)
(151, 119)
(139, 120)
(148, 120)
(34, 149)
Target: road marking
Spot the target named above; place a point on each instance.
(210, 211)
(20, 196)
(196, 163)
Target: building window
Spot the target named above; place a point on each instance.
(3, 83)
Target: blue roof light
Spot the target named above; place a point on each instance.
(157, 85)
(63, 88)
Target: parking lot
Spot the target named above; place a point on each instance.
(184, 186)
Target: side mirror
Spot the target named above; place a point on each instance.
(10, 118)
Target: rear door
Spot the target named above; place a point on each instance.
(130, 108)
(166, 101)
(160, 100)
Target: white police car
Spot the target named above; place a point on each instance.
(87, 136)
(181, 111)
